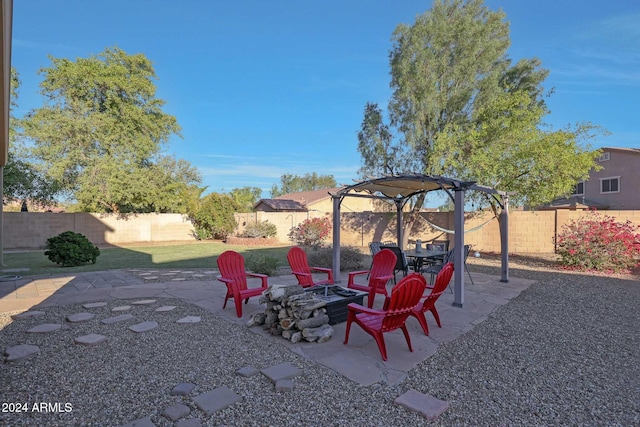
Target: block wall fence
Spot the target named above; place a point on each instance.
(529, 231)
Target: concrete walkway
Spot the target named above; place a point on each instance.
(359, 361)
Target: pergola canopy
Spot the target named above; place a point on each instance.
(399, 189)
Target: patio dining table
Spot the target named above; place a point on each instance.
(424, 255)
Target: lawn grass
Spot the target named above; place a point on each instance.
(172, 256)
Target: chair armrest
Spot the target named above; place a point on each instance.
(353, 274)
(322, 269)
(263, 277)
(300, 273)
(225, 280)
(362, 309)
(387, 277)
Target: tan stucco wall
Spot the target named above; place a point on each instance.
(529, 231)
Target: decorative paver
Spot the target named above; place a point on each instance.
(189, 319)
(191, 422)
(177, 411)
(216, 400)
(95, 305)
(21, 351)
(120, 318)
(284, 386)
(80, 317)
(27, 315)
(182, 389)
(247, 371)
(142, 422)
(178, 279)
(425, 405)
(144, 326)
(121, 308)
(44, 328)
(165, 308)
(91, 339)
(281, 371)
(150, 277)
(144, 302)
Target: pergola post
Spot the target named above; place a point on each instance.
(504, 239)
(458, 248)
(399, 224)
(336, 238)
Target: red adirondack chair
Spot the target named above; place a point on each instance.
(442, 281)
(233, 274)
(297, 258)
(404, 297)
(381, 272)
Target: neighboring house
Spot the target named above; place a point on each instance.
(317, 201)
(614, 187)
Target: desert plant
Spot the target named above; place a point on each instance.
(311, 232)
(350, 258)
(71, 249)
(598, 242)
(262, 229)
(262, 264)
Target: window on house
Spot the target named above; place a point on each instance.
(578, 190)
(610, 185)
(603, 157)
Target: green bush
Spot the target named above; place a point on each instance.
(212, 217)
(71, 249)
(311, 232)
(598, 242)
(351, 259)
(260, 230)
(262, 264)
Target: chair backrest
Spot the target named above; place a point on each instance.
(298, 262)
(450, 256)
(467, 250)
(374, 247)
(383, 264)
(404, 297)
(438, 245)
(401, 260)
(231, 266)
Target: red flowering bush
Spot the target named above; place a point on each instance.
(311, 232)
(598, 242)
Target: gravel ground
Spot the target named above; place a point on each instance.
(565, 352)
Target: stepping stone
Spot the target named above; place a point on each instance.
(80, 317)
(216, 400)
(27, 315)
(191, 422)
(44, 328)
(165, 308)
(425, 405)
(177, 411)
(142, 422)
(150, 277)
(171, 273)
(116, 319)
(199, 275)
(188, 272)
(91, 339)
(282, 371)
(189, 319)
(21, 351)
(144, 302)
(95, 305)
(182, 389)
(247, 371)
(121, 308)
(284, 386)
(178, 279)
(144, 326)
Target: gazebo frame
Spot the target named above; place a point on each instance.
(399, 189)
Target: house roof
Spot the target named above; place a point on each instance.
(309, 197)
(281, 205)
(573, 202)
(623, 149)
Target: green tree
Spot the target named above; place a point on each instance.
(101, 130)
(22, 179)
(290, 183)
(212, 216)
(461, 108)
(246, 197)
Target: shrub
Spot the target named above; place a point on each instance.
(351, 259)
(212, 217)
(262, 264)
(260, 229)
(311, 232)
(71, 249)
(598, 242)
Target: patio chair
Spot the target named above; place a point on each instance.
(378, 276)
(297, 258)
(433, 270)
(428, 304)
(234, 276)
(401, 261)
(404, 297)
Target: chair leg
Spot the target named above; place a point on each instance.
(350, 317)
(381, 344)
(405, 331)
(238, 307)
(469, 273)
(435, 316)
(371, 297)
(422, 320)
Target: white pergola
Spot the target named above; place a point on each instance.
(399, 189)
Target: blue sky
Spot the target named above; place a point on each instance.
(267, 87)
